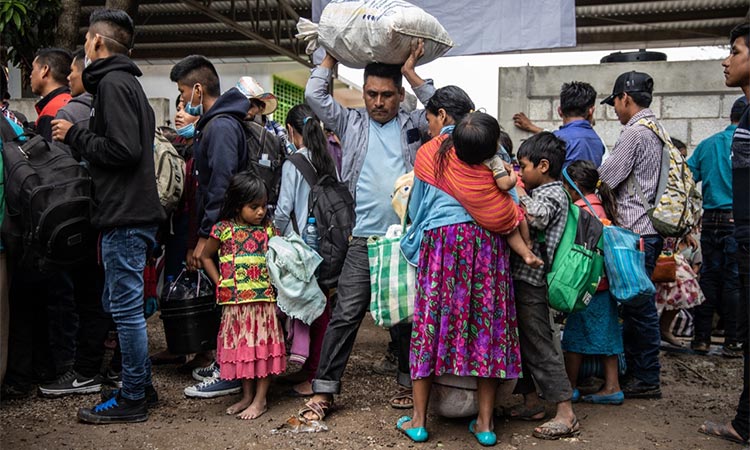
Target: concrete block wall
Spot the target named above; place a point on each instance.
(690, 97)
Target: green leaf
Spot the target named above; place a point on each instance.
(6, 6)
(17, 21)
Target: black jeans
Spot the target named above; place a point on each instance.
(741, 422)
(719, 278)
(351, 302)
(641, 337)
(88, 280)
(29, 358)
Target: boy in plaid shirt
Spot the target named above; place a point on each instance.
(541, 158)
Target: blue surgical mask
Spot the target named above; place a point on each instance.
(447, 129)
(188, 131)
(194, 110)
(86, 61)
(290, 148)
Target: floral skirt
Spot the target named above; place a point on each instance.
(250, 342)
(464, 310)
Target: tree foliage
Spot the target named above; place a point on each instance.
(25, 27)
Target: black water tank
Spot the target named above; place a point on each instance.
(639, 56)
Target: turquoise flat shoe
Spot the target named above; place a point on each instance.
(415, 434)
(486, 438)
(576, 396)
(610, 399)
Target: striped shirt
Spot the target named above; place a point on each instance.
(638, 150)
(547, 211)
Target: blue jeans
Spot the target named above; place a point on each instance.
(124, 257)
(719, 277)
(640, 326)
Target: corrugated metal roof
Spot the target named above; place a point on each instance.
(169, 29)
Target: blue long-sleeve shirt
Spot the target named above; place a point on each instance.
(711, 164)
(581, 142)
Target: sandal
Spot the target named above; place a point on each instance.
(720, 431)
(521, 412)
(320, 408)
(402, 394)
(554, 430)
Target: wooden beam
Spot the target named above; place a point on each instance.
(242, 30)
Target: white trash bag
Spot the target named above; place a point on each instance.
(360, 32)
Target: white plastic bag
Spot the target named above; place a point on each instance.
(360, 32)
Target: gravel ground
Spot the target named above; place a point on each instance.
(695, 388)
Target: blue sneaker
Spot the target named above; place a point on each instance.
(204, 373)
(214, 387)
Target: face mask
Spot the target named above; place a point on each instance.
(447, 129)
(188, 131)
(86, 61)
(290, 147)
(194, 110)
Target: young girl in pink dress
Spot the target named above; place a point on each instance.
(250, 344)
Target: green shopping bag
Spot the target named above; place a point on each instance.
(392, 282)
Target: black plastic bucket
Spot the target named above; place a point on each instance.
(191, 325)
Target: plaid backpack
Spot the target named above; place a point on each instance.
(678, 205)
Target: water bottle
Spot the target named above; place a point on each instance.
(311, 234)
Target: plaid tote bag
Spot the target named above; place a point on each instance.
(392, 282)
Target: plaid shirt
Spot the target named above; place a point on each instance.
(546, 211)
(638, 150)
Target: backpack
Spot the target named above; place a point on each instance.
(332, 205)
(48, 202)
(678, 205)
(266, 155)
(578, 263)
(170, 172)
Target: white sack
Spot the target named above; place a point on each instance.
(359, 32)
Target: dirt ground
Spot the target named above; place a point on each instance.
(695, 388)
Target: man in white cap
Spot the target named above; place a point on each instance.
(262, 104)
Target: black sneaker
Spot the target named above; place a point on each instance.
(71, 383)
(636, 388)
(386, 366)
(115, 410)
(15, 392)
(113, 378)
(152, 398)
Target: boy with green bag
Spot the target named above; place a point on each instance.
(541, 158)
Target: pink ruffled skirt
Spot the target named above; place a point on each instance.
(250, 342)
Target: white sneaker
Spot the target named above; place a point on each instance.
(214, 387)
(204, 373)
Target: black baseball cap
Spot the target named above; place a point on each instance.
(630, 82)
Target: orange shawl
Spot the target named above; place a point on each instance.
(472, 185)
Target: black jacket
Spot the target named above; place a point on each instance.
(119, 145)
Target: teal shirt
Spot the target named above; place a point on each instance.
(711, 164)
(383, 164)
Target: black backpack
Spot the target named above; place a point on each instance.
(48, 202)
(266, 155)
(332, 205)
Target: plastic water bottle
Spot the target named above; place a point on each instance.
(311, 234)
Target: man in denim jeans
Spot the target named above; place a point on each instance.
(118, 146)
(711, 164)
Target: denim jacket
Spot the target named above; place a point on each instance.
(352, 125)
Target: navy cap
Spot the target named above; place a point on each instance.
(630, 82)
